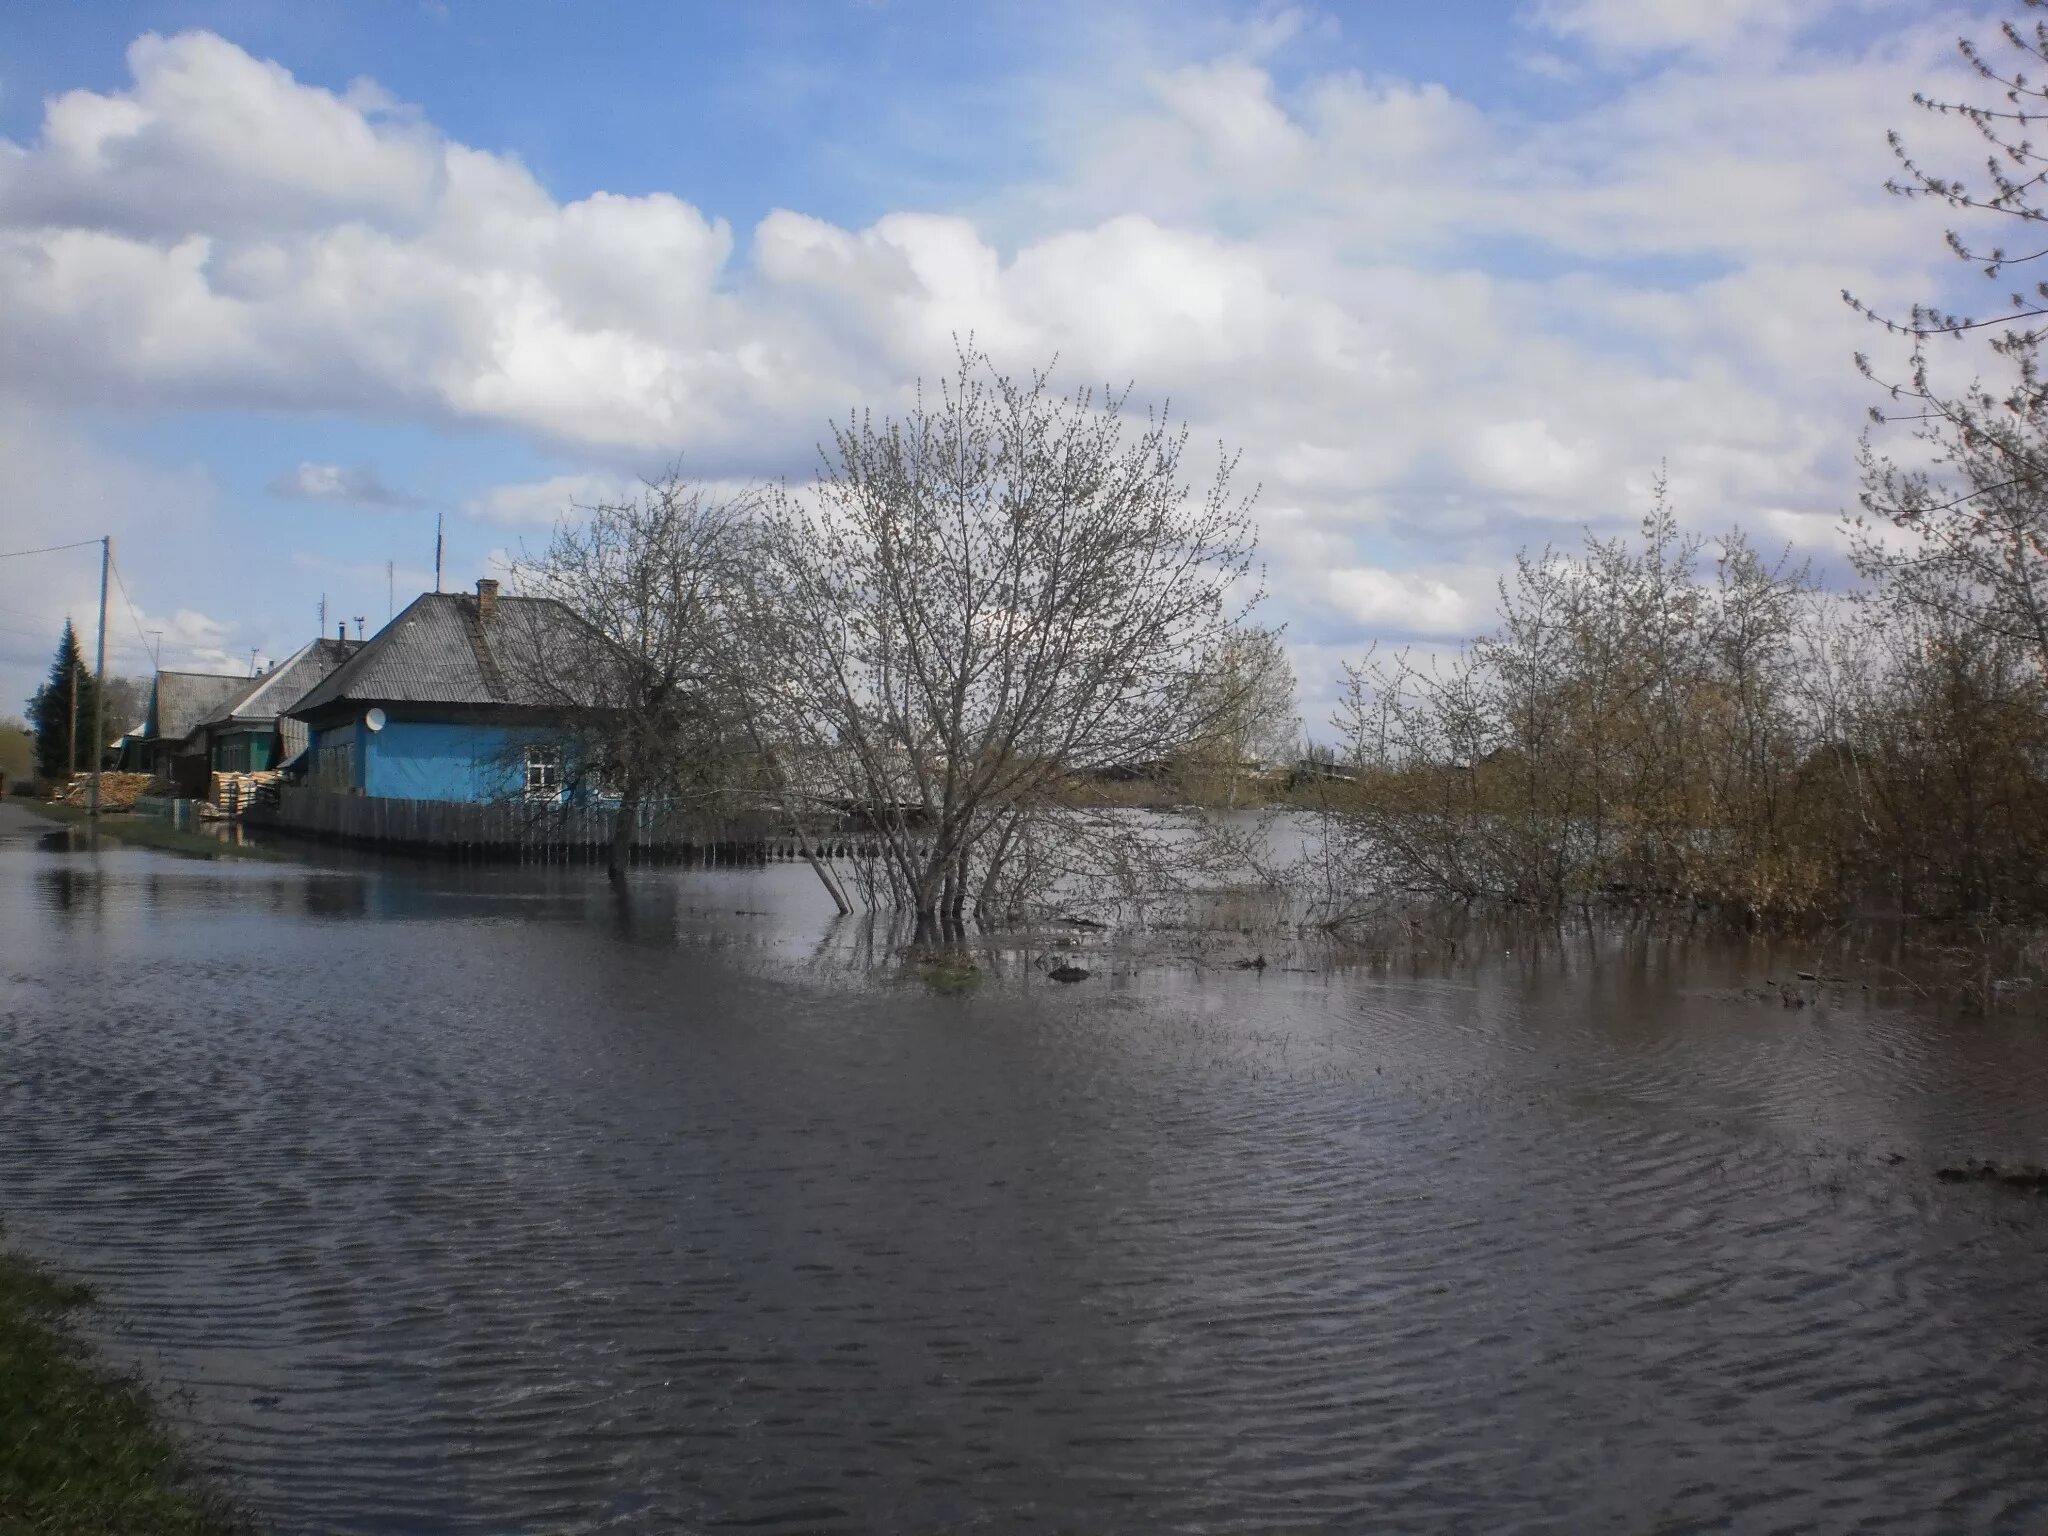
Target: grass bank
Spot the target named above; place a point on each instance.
(148, 832)
(83, 1451)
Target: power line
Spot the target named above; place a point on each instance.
(47, 549)
(133, 617)
(43, 634)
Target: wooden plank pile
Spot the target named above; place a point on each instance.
(233, 794)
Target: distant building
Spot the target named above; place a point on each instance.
(178, 702)
(443, 704)
(251, 732)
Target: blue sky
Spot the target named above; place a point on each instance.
(279, 283)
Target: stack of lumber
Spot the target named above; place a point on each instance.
(231, 794)
(118, 791)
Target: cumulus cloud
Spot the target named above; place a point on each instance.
(211, 141)
(1402, 603)
(224, 231)
(1435, 330)
(543, 503)
(59, 486)
(1648, 26)
(361, 486)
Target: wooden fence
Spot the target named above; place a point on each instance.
(543, 833)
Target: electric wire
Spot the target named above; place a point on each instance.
(133, 617)
(47, 549)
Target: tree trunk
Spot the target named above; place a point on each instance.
(956, 908)
(825, 875)
(620, 854)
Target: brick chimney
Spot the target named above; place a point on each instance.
(486, 597)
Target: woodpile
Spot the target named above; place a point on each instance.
(118, 791)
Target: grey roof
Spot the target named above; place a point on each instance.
(439, 651)
(271, 693)
(180, 700)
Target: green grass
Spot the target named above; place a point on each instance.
(148, 832)
(84, 1452)
(947, 971)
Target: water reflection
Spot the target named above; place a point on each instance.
(482, 1199)
(69, 888)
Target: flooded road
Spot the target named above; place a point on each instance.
(468, 1201)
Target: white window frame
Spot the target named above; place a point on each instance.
(543, 773)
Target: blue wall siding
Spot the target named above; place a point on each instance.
(421, 759)
(430, 760)
(337, 755)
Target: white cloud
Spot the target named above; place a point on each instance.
(1647, 26)
(543, 503)
(60, 487)
(1436, 329)
(210, 140)
(229, 233)
(1402, 602)
(359, 486)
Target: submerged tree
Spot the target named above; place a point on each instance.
(1629, 728)
(633, 663)
(1005, 589)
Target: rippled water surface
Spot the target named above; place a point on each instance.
(474, 1202)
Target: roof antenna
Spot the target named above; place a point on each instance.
(437, 551)
(323, 613)
(252, 659)
(359, 626)
(390, 590)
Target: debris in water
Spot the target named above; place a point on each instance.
(1974, 1172)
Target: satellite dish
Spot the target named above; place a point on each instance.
(374, 719)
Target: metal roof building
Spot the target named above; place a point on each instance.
(450, 648)
(453, 700)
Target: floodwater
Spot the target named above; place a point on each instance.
(476, 1201)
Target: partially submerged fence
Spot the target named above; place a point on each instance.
(516, 829)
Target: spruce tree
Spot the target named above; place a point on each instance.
(64, 732)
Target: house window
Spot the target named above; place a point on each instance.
(543, 773)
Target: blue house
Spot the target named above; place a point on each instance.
(444, 703)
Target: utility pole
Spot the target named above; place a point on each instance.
(99, 692)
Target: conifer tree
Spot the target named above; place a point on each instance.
(62, 712)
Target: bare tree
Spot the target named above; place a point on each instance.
(1958, 532)
(972, 605)
(1630, 728)
(636, 683)
(1244, 710)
